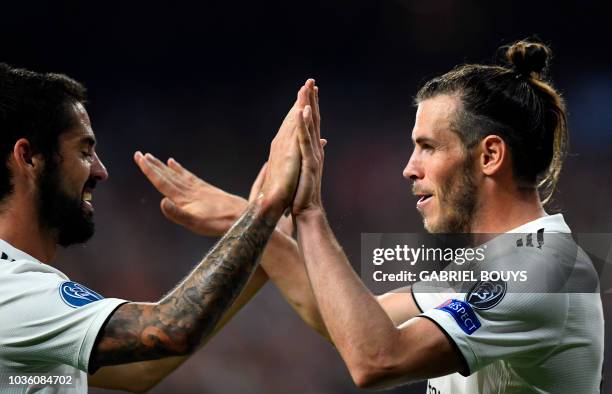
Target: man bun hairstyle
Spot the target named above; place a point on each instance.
(530, 59)
(35, 106)
(516, 101)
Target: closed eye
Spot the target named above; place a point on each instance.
(425, 144)
(427, 147)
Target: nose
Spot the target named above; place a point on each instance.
(413, 169)
(98, 171)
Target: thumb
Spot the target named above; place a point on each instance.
(323, 142)
(174, 213)
(304, 136)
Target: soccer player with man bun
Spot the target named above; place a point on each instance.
(489, 142)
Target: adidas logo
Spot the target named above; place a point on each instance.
(4, 256)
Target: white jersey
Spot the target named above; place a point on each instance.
(517, 341)
(48, 326)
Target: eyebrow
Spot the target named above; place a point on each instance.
(424, 140)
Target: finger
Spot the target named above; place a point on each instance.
(323, 143)
(182, 172)
(306, 91)
(310, 84)
(259, 181)
(160, 179)
(174, 213)
(160, 167)
(304, 138)
(310, 126)
(312, 100)
(302, 98)
(300, 102)
(146, 166)
(168, 173)
(154, 160)
(316, 112)
(176, 166)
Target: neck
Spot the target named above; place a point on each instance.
(505, 209)
(19, 226)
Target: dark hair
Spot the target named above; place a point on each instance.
(34, 106)
(516, 102)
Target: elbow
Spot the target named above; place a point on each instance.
(363, 379)
(368, 379)
(375, 373)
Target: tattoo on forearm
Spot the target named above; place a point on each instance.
(177, 323)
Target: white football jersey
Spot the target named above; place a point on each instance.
(530, 337)
(48, 326)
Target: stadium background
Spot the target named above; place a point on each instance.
(209, 83)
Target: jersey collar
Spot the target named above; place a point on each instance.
(12, 253)
(551, 224)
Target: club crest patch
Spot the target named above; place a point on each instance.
(485, 295)
(76, 295)
(463, 314)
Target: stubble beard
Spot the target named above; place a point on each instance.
(457, 202)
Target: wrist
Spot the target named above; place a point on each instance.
(269, 208)
(310, 215)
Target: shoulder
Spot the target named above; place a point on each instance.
(28, 286)
(27, 271)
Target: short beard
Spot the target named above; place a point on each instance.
(458, 201)
(60, 213)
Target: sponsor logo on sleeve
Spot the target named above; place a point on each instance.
(463, 314)
(77, 295)
(485, 295)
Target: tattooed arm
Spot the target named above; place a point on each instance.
(142, 376)
(175, 325)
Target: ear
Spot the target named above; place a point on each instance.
(494, 154)
(24, 161)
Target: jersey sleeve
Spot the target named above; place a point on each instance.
(517, 321)
(47, 319)
(426, 297)
(519, 328)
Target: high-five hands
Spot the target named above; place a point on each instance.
(295, 165)
(208, 210)
(284, 161)
(308, 194)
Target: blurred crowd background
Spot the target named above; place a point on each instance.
(208, 83)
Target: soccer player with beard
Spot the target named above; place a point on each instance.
(53, 330)
(489, 141)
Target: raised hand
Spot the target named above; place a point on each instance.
(188, 200)
(284, 162)
(199, 206)
(308, 194)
